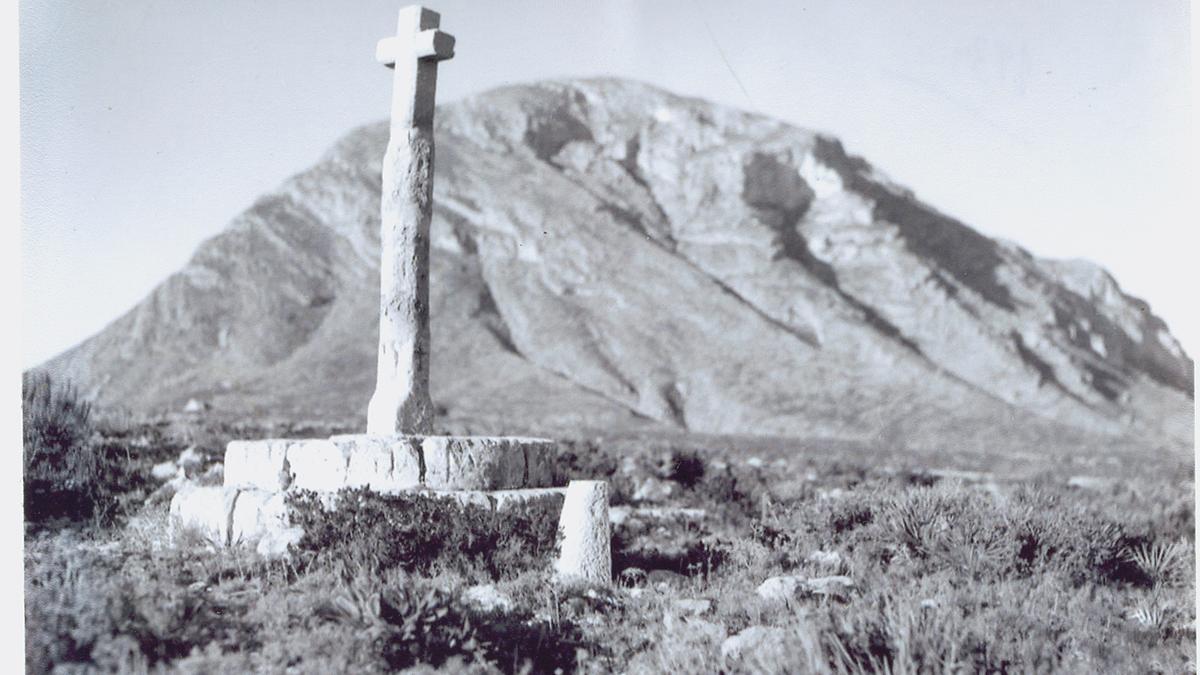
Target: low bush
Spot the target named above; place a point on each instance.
(409, 621)
(68, 475)
(422, 533)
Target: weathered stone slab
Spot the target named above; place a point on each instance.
(478, 462)
(386, 464)
(499, 500)
(390, 464)
(472, 463)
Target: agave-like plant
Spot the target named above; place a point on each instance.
(1160, 560)
(1154, 613)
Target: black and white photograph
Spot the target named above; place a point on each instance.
(609, 336)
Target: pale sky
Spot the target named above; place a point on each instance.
(146, 125)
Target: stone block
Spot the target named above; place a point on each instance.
(473, 463)
(386, 464)
(318, 464)
(390, 464)
(258, 464)
(585, 554)
(255, 514)
(206, 511)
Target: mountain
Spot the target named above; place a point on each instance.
(607, 255)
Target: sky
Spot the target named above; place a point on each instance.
(146, 125)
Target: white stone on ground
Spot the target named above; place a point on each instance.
(164, 471)
(488, 598)
(585, 554)
(836, 585)
(756, 639)
(780, 588)
(825, 558)
(693, 606)
(787, 587)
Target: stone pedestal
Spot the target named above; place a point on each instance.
(496, 473)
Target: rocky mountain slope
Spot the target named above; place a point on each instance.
(607, 255)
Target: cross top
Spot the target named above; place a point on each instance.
(414, 53)
(417, 27)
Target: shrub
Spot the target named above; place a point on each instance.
(423, 533)
(405, 621)
(84, 606)
(64, 474)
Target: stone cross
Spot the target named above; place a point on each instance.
(401, 403)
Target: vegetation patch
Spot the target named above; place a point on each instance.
(423, 533)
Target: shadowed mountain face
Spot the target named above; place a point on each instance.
(607, 255)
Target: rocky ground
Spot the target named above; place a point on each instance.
(730, 555)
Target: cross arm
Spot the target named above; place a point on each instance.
(426, 45)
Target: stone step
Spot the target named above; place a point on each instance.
(389, 464)
(225, 516)
(231, 516)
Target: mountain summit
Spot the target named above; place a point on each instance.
(607, 255)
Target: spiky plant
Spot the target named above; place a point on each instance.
(1161, 561)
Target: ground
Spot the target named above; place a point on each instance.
(893, 561)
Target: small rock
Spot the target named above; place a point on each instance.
(1090, 483)
(195, 406)
(693, 626)
(834, 493)
(929, 603)
(663, 579)
(632, 576)
(166, 491)
(786, 587)
(964, 476)
(488, 598)
(753, 639)
(693, 606)
(274, 544)
(781, 588)
(755, 462)
(838, 585)
(654, 490)
(825, 558)
(190, 460)
(164, 471)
